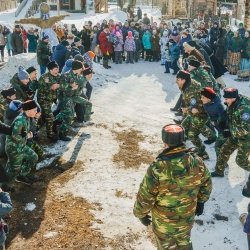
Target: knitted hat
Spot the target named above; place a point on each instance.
(215, 23)
(187, 23)
(76, 65)
(78, 58)
(240, 24)
(8, 92)
(86, 65)
(194, 63)
(173, 134)
(77, 40)
(22, 73)
(175, 28)
(31, 69)
(65, 43)
(117, 25)
(52, 65)
(130, 34)
(187, 46)
(75, 52)
(126, 23)
(87, 72)
(15, 105)
(92, 54)
(44, 36)
(230, 93)
(28, 105)
(208, 92)
(183, 75)
(17, 26)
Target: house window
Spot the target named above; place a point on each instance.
(183, 4)
(65, 2)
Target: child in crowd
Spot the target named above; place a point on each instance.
(137, 47)
(168, 60)
(163, 42)
(146, 41)
(129, 47)
(118, 48)
(175, 55)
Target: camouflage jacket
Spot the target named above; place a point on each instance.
(19, 125)
(4, 104)
(43, 53)
(200, 75)
(66, 81)
(21, 94)
(45, 92)
(191, 96)
(33, 85)
(171, 189)
(238, 115)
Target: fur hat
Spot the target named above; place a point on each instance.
(194, 63)
(52, 65)
(77, 65)
(230, 93)
(208, 92)
(15, 105)
(187, 46)
(22, 73)
(8, 92)
(31, 69)
(183, 75)
(173, 134)
(30, 104)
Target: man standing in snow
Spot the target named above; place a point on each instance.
(238, 133)
(174, 190)
(17, 42)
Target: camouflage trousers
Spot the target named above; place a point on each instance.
(67, 111)
(36, 148)
(227, 149)
(219, 142)
(182, 242)
(20, 160)
(194, 126)
(46, 117)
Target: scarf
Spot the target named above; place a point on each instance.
(247, 44)
(236, 42)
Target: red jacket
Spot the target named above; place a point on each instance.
(104, 44)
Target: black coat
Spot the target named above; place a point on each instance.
(17, 42)
(219, 68)
(139, 14)
(85, 36)
(246, 42)
(221, 42)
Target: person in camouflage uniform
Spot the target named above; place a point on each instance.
(196, 116)
(20, 83)
(238, 133)
(214, 108)
(7, 95)
(21, 158)
(47, 86)
(43, 53)
(68, 96)
(174, 189)
(33, 83)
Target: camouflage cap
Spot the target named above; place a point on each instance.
(173, 134)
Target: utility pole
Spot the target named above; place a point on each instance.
(58, 7)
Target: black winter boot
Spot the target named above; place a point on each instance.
(150, 59)
(54, 127)
(246, 188)
(63, 137)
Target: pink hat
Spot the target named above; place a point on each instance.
(130, 34)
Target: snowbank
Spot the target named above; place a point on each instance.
(30, 206)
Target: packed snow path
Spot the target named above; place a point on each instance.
(141, 100)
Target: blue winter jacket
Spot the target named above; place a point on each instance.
(216, 110)
(137, 44)
(174, 51)
(213, 34)
(67, 66)
(125, 32)
(146, 40)
(183, 40)
(59, 55)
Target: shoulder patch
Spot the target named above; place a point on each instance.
(245, 116)
(193, 101)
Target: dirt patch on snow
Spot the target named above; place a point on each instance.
(57, 222)
(130, 154)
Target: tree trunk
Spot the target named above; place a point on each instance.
(247, 15)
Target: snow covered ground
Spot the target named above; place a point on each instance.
(138, 97)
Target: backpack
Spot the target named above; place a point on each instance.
(113, 39)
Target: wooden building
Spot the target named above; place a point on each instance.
(7, 5)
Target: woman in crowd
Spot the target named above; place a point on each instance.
(2, 42)
(33, 38)
(245, 52)
(220, 44)
(85, 36)
(228, 37)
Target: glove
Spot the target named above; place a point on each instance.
(23, 133)
(55, 101)
(146, 221)
(199, 209)
(226, 133)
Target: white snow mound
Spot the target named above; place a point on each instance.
(30, 206)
